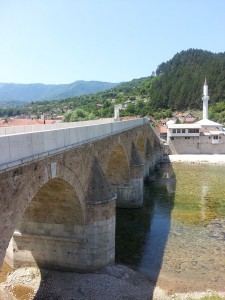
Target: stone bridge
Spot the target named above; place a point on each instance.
(60, 184)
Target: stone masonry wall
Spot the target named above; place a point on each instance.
(92, 234)
(197, 145)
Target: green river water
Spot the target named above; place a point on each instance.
(178, 238)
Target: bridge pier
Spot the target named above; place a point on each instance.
(100, 236)
(149, 161)
(153, 157)
(101, 220)
(149, 169)
(130, 193)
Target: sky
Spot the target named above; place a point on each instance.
(62, 41)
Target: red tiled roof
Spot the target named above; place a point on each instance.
(180, 115)
(183, 114)
(209, 129)
(163, 120)
(23, 122)
(190, 120)
(161, 129)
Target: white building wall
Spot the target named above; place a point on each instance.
(197, 145)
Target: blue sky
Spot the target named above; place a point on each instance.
(61, 41)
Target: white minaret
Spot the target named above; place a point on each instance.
(117, 111)
(205, 99)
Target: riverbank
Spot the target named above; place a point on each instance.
(113, 282)
(195, 158)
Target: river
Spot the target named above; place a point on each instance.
(178, 238)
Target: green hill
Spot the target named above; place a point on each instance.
(178, 82)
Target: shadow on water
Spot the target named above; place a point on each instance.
(142, 234)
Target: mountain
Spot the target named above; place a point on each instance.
(38, 92)
(178, 82)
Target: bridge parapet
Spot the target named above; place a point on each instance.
(8, 130)
(19, 148)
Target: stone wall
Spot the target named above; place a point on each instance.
(60, 208)
(197, 145)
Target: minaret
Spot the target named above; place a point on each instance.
(205, 99)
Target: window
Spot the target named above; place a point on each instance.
(174, 130)
(178, 130)
(215, 137)
(183, 130)
(193, 130)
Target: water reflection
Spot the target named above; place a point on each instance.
(177, 238)
(161, 192)
(142, 235)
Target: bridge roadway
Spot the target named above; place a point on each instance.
(60, 184)
(36, 141)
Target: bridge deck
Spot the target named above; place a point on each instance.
(27, 143)
(8, 130)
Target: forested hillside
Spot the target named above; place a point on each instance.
(178, 82)
(176, 85)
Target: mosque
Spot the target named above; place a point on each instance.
(202, 137)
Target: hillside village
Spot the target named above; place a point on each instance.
(185, 135)
(181, 117)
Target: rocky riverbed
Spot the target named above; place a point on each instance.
(113, 282)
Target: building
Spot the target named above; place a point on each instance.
(185, 117)
(23, 122)
(161, 131)
(202, 137)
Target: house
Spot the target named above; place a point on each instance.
(162, 131)
(163, 122)
(185, 117)
(22, 122)
(98, 106)
(202, 137)
(58, 119)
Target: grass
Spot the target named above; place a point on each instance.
(212, 297)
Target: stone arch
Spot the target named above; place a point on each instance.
(56, 202)
(71, 177)
(140, 144)
(151, 138)
(118, 169)
(149, 151)
(32, 178)
(52, 211)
